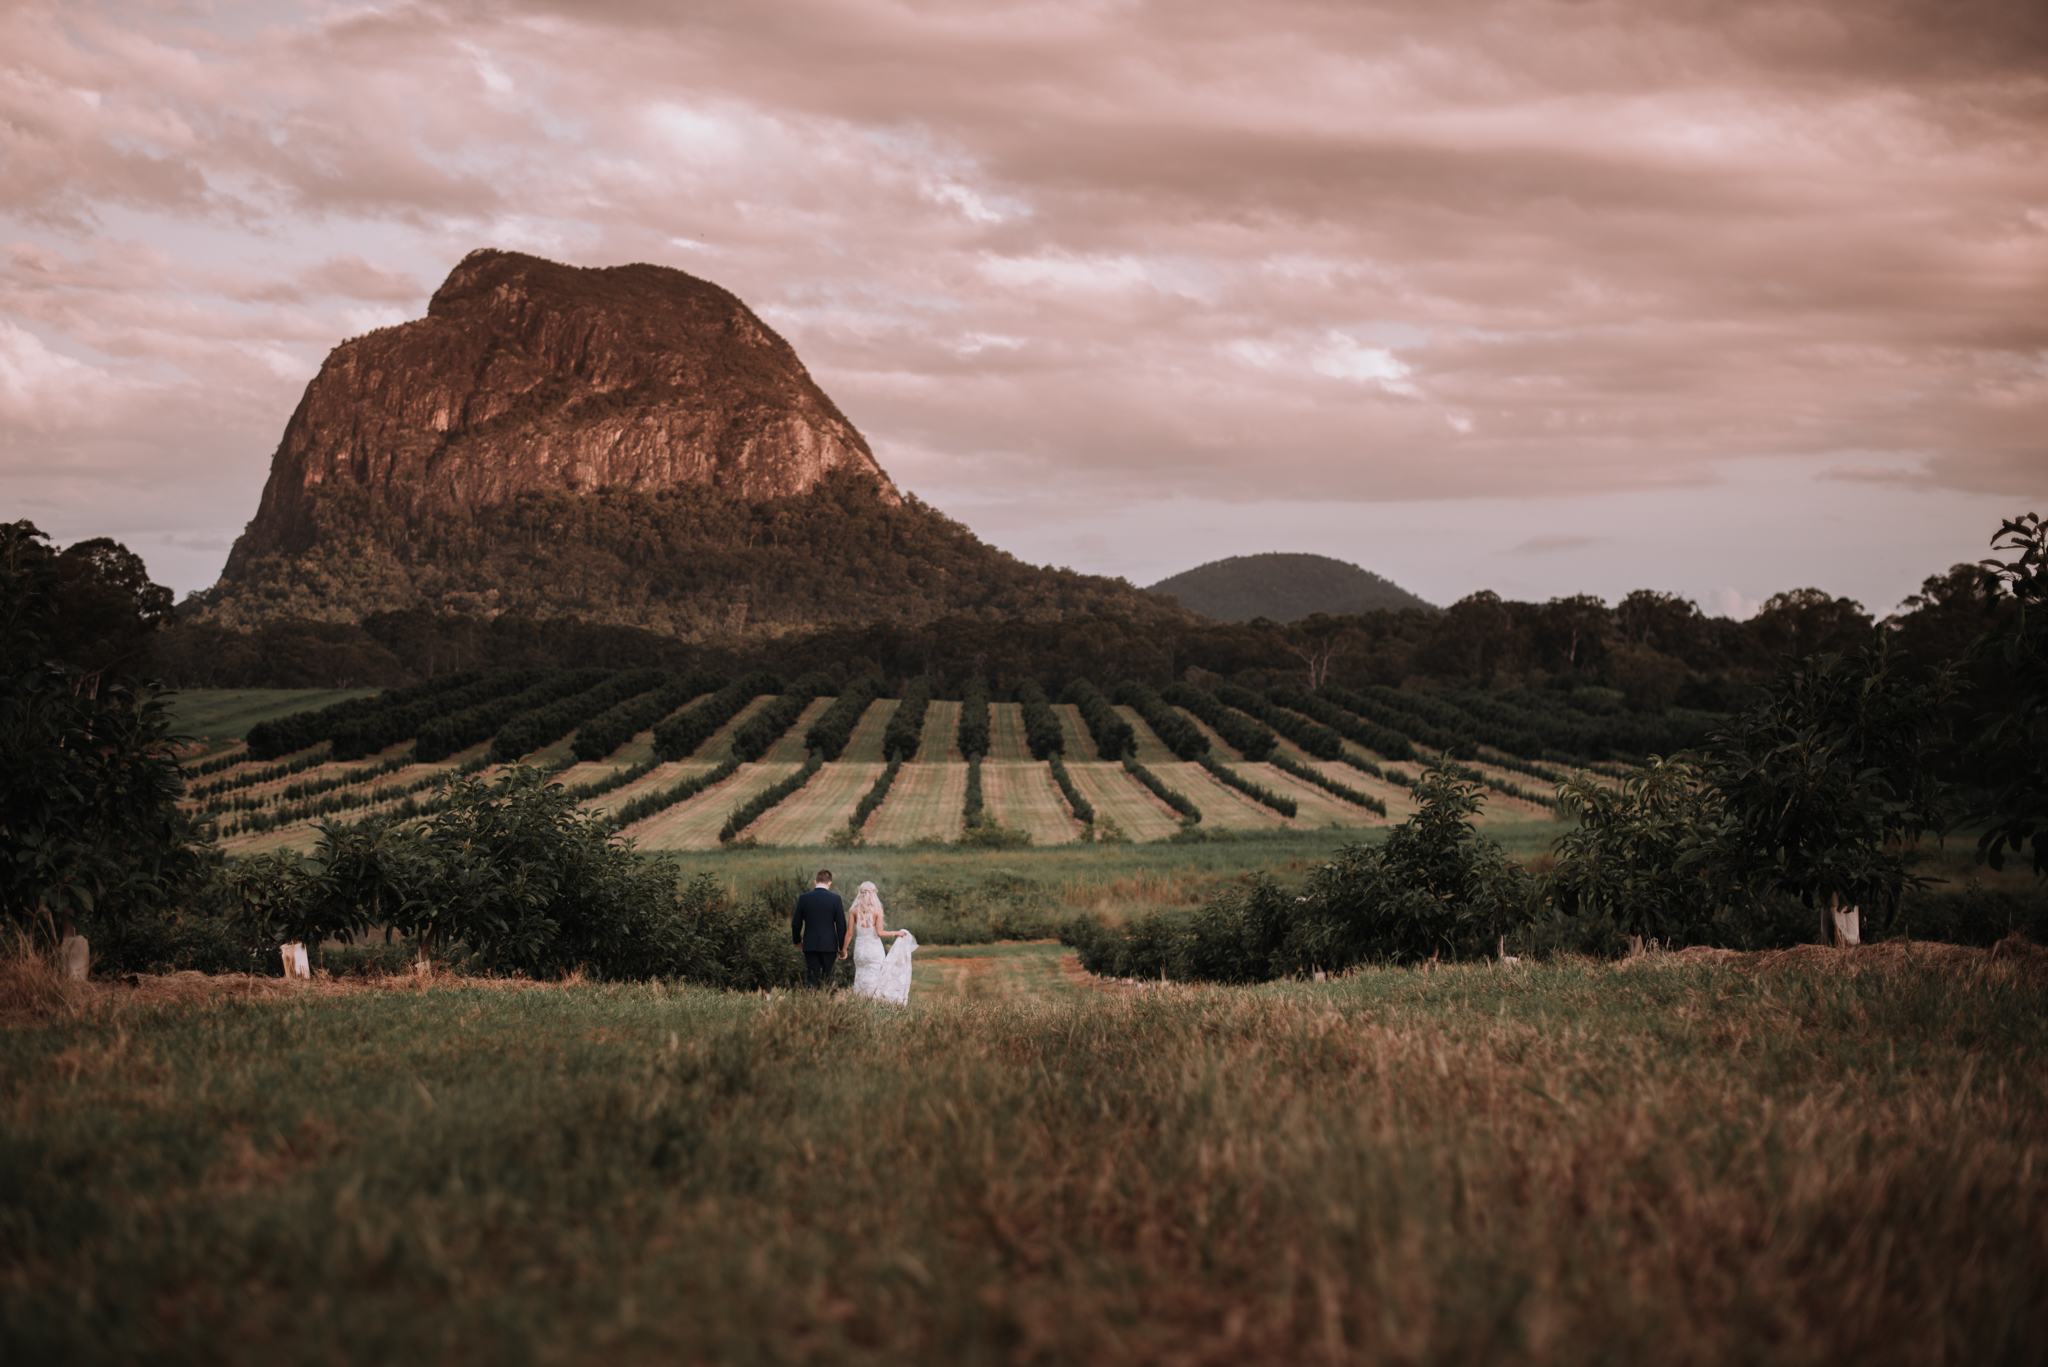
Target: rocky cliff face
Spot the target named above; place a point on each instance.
(531, 377)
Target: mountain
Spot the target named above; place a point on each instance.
(1283, 586)
(629, 445)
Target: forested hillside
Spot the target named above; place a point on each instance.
(1283, 586)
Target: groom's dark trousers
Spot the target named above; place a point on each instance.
(819, 925)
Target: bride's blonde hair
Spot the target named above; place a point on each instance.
(866, 900)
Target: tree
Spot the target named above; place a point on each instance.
(1808, 622)
(89, 788)
(1827, 781)
(2012, 745)
(1627, 858)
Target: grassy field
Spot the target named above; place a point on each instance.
(222, 714)
(1790, 1159)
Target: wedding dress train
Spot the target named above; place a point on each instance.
(883, 974)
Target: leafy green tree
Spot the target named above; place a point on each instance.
(1434, 888)
(1629, 862)
(1828, 780)
(89, 821)
(2012, 746)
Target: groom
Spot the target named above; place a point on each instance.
(820, 927)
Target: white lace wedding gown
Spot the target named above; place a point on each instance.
(883, 974)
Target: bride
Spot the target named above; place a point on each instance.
(879, 973)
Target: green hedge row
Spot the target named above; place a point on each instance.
(608, 730)
(1175, 731)
(872, 799)
(834, 726)
(270, 773)
(647, 804)
(529, 731)
(1230, 778)
(1314, 737)
(1042, 730)
(1309, 774)
(972, 810)
(758, 733)
(1352, 727)
(1114, 737)
(906, 728)
(1084, 810)
(681, 735)
(283, 735)
(1172, 797)
(1249, 737)
(446, 734)
(750, 811)
(972, 735)
(367, 735)
(310, 788)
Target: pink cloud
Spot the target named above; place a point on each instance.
(1307, 250)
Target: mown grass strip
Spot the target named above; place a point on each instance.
(1286, 764)
(751, 810)
(1258, 793)
(1172, 797)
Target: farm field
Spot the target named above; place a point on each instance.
(1783, 1158)
(925, 803)
(694, 823)
(222, 714)
(276, 801)
(1023, 796)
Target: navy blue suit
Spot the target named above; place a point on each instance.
(819, 925)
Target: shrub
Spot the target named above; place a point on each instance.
(1252, 739)
(1313, 737)
(284, 735)
(1084, 811)
(530, 731)
(680, 736)
(972, 736)
(1042, 730)
(755, 736)
(606, 732)
(1230, 778)
(1172, 797)
(906, 729)
(445, 735)
(1175, 731)
(1114, 737)
(647, 804)
(833, 728)
(760, 803)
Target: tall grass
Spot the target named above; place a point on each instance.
(1553, 1165)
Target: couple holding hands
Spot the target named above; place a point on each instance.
(822, 927)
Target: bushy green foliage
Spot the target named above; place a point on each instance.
(450, 732)
(1632, 865)
(511, 870)
(1114, 737)
(905, 732)
(1175, 731)
(354, 737)
(972, 809)
(750, 811)
(873, 798)
(972, 733)
(1230, 778)
(833, 728)
(1338, 710)
(1083, 809)
(529, 731)
(1318, 740)
(1043, 734)
(603, 734)
(286, 735)
(679, 736)
(89, 818)
(1249, 737)
(647, 804)
(2010, 747)
(1190, 814)
(757, 734)
(1825, 782)
(1309, 774)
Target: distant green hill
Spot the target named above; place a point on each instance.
(1283, 587)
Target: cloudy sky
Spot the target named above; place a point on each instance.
(1706, 296)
